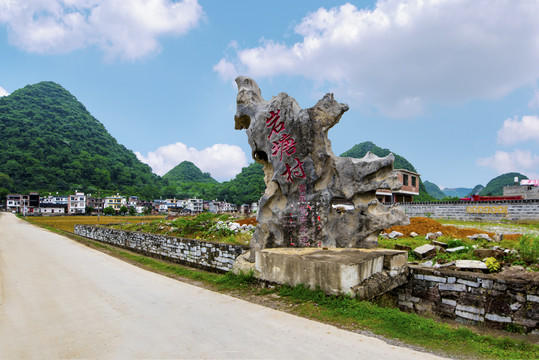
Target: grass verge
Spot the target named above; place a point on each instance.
(347, 313)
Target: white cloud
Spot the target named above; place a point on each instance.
(3, 92)
(402, 55)
(521, 161)
(121, 29)
(514, 131)
(222, 161)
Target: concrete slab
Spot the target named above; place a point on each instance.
(335, 271)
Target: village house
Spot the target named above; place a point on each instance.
(410, 188)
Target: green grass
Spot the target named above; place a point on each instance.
(409, 328)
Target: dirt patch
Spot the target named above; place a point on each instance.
(422, 226)
(247, 221)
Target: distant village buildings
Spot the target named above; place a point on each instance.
(79, 203)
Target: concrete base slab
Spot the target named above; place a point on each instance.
(334, 271)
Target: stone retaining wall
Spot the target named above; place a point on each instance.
(472, 298)
(475, 210)
(206, 255)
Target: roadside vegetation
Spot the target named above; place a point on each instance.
(377, 317)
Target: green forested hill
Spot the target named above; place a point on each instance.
(247, 187)
(50, 142)
(360, 150)
(495, 186)
(186, 171)
(434, 190)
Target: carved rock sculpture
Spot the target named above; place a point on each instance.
(313, 198)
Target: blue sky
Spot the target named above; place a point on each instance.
(453, 86)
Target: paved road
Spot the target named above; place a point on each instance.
(60, 299)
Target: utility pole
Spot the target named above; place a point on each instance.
(98, 203)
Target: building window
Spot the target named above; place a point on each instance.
(405, 179)
(413, 181)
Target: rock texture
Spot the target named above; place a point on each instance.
(313, 198)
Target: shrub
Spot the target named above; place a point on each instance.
(492, 264)
(529, 248)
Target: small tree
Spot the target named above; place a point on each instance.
(123, 210)
(109, 211)
(132, 211)
(89, 209)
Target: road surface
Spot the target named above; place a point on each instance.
(60, 299)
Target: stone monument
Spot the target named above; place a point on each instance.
(313, 198)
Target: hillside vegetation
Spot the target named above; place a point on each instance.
(50, 142)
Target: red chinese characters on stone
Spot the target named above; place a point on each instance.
(296, 171)
(273, 122)
(285, 144)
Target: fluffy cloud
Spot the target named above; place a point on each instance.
(3, 92)
(514, 131)
(402, 55)
(121, 29)
(222, 161)
(517, 161)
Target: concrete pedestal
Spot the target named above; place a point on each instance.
(334, 271)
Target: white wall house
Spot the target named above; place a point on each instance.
(76, 203)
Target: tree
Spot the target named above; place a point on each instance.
(123, 210)
(89, 209)
(132, 211)
(109, 211)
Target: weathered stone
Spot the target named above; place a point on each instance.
(486, 253)
(498, 318)
(470, 265)
(313, 198)
(402, 247)
(456, 249)
(497, 237)
(425, 251)
(395, 234)
(480, 236)
(413, 234)
(439, 243)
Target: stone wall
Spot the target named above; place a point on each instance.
(472, 298)
(206, 255)
(475, 211)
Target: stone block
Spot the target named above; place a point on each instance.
(439, 279)
(425, 251)
(449, 302)
(456, 249)
(403, 247)
(471, 309)
(533, 298)
(335, 271)
(469, 316)
(471, 265)
(468, 283)
(498, 318)
(486, 253)
(452, 287)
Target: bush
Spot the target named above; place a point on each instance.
(529, 248)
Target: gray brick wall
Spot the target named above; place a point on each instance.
(202, 254)
(471, 298)
(484, 210)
